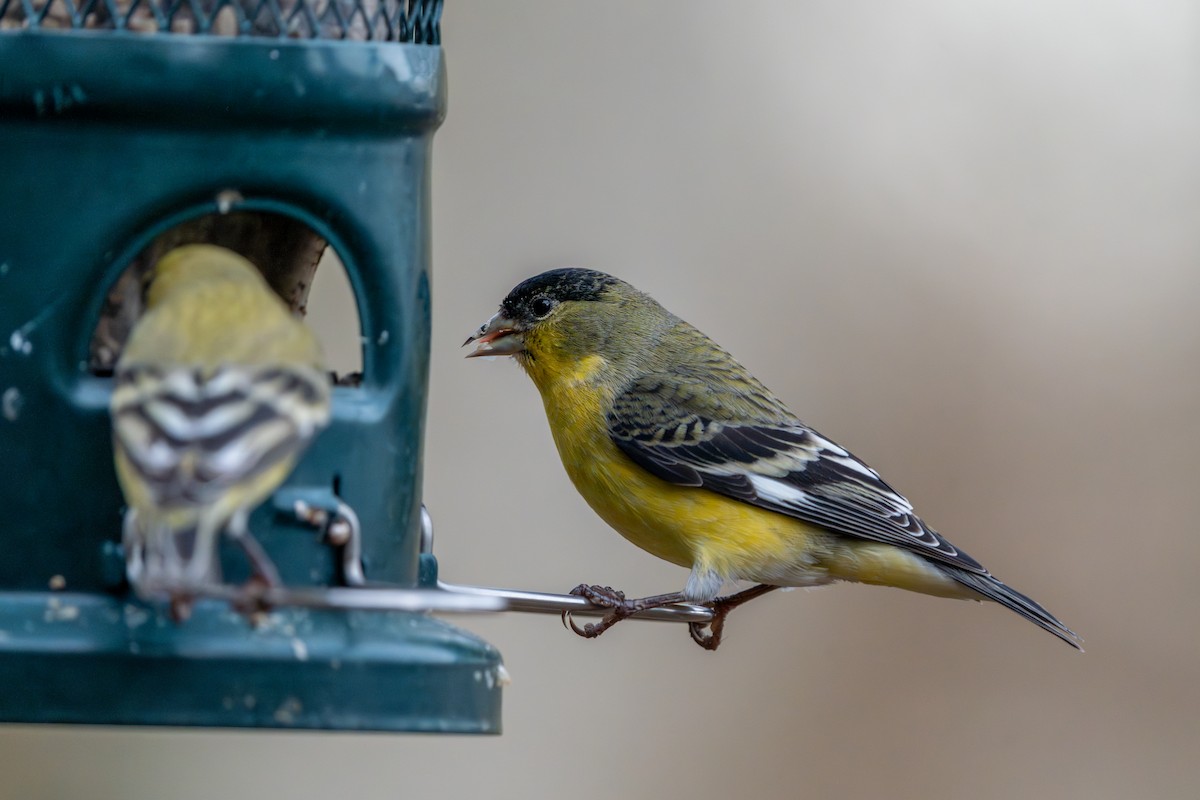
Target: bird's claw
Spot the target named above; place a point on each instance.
(588, 631)
(604, 596)
(180, 607)
(720, 611)
(251, 600)
(711, 640)
(619, 607)
(716, 625)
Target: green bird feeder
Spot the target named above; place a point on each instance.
(267, 122)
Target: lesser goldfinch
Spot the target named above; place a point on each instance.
(218, 392)
(681, 450)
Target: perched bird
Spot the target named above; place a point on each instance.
(218, 392)
(681, 450)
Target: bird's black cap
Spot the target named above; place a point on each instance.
(561, 285)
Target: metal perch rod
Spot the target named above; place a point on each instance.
(546, 603)
(446, 598)
(366, 598)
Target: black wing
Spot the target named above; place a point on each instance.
(679, 430)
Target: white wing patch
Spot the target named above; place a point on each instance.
(776, 491)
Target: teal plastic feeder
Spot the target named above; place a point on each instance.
(112, 137)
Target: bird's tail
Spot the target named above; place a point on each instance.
(1009, 597)
(179, 556)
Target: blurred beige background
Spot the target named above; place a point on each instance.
(960, 238)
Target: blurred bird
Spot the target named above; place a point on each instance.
(681, 450)
(218, 392)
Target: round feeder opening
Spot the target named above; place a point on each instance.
(303, 269)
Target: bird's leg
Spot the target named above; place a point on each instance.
(721, 608)
(134, 547)
(263, 567)
(264, 575)
(619, 607)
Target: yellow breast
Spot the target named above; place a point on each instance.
(684, 525)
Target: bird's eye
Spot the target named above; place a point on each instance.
(541, 306)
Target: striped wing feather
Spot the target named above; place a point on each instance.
(193, 434)
(778, 464)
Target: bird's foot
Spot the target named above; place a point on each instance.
(619, 607)
(180, 607)
(605, 597)
(721, 608)
(716, 626)
(597, 595)
(251, 601)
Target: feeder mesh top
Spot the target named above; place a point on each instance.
(415, 21)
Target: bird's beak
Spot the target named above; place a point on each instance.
(499, 336)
